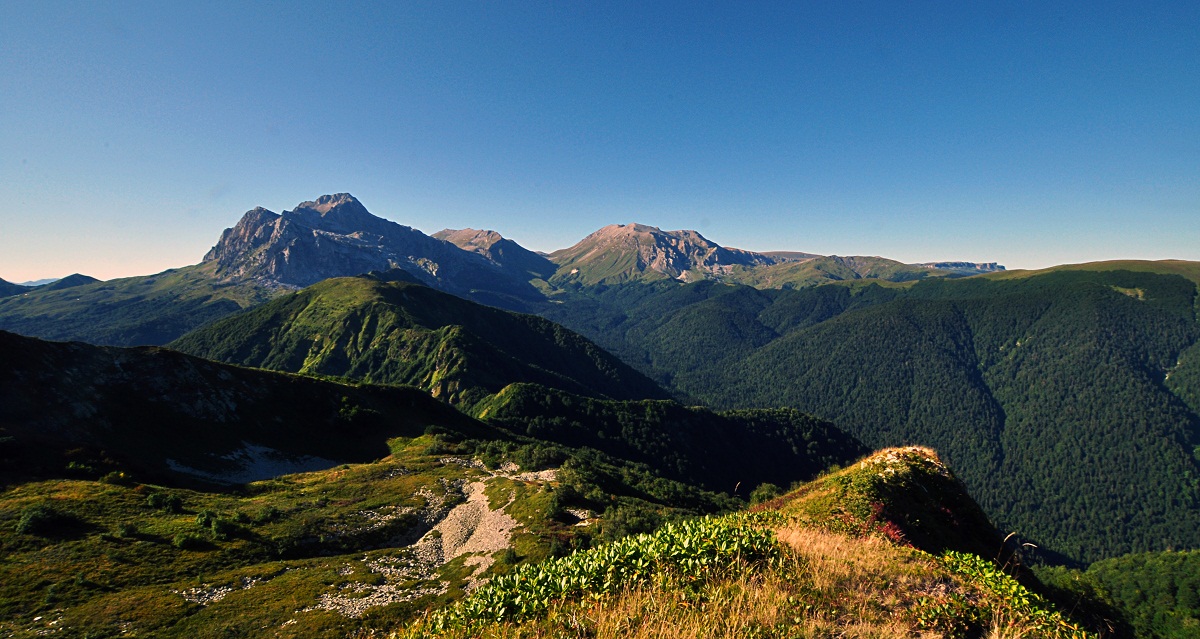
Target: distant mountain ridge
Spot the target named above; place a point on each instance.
(965, 267)
(266, 254)
(8, 288)
(499, 250)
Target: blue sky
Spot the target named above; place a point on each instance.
(1031, 133)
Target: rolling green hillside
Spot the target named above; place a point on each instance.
(833, 268)
(147, 310)
(8, 288)
(1066, 398)
(399, 332)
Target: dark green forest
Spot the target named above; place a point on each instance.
(730, 452)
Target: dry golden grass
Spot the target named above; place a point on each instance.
(829, 585)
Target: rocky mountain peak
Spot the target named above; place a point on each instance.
(338, 213)
(327, 203)
(335, 236)
(470, 239)
(624, 252)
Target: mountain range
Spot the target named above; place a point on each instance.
(266, 254)
(333, 365)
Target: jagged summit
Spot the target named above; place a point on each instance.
(340, 213)
(327, 203)
(628, 252)
(336, 236)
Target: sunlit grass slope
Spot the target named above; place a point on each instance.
(856, 553)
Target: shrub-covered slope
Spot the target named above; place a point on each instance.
(399, 332)
(152, 493)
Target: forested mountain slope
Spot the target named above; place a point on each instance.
(1067, 398)
(732, 452)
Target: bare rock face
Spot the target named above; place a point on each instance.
(623, 252)
(335, 236)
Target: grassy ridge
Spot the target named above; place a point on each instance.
(403, 333)
(147, 310)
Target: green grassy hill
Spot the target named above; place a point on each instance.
(398, 332)
(8, 288)
(833, 268)
(147, 310)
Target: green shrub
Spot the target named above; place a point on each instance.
(43, 520)
(764, 492)
(165, 501)
(80, 468)
(117, 478)
(188, 541)
(223, 529)
(687, 553)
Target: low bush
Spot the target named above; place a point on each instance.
(188, 541)
(44, 520)
(165, 501)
